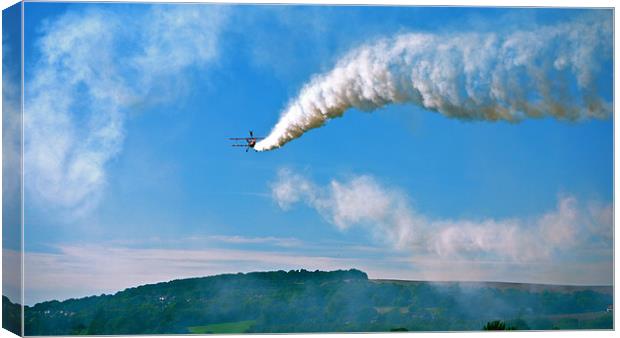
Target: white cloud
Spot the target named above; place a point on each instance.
(94, 67)
(269, 240)
(386, 213)
(293, 189)
(176, 37)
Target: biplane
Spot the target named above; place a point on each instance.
(250, 141)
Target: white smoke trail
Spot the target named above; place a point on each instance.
(550, 71)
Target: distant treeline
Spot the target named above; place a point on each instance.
(11, 316)
(316, 301)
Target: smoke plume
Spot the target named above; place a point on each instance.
(552, 71)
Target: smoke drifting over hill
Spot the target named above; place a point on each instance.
(551, 71)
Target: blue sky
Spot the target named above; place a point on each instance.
(11, 229)
(146, 178)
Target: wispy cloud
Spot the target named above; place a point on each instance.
(87, 269)
(95, 66)
(82, 270)
(555, 237)
(211, 241)
(277, 241)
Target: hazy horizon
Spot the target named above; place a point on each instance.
(440, 282)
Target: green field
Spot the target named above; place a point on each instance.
(232, 327)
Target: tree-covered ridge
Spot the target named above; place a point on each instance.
(11, 316)
(317, 301)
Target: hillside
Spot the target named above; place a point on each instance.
(305, 301)
(11, 314)
(510, 285)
